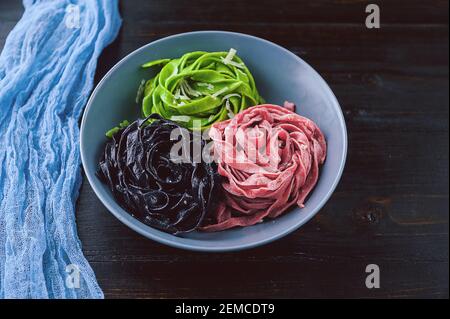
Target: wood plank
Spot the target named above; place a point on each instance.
(267, 12)
(391, 83)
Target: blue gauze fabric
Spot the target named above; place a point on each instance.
(47, 69)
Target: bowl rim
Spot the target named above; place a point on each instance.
(141, 228)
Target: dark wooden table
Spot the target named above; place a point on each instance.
(392, 205)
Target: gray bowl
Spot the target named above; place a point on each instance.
(280, 75)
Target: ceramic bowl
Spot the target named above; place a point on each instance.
(279, 74)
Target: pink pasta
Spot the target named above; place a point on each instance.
(269, 159)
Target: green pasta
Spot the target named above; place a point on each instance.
(200, 88)
(116, 129)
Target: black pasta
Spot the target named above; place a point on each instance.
(168, 195)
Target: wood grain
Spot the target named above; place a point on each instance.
(392, 205)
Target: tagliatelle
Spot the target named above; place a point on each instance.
(269, 158)
(138, 167)
(206, 87)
